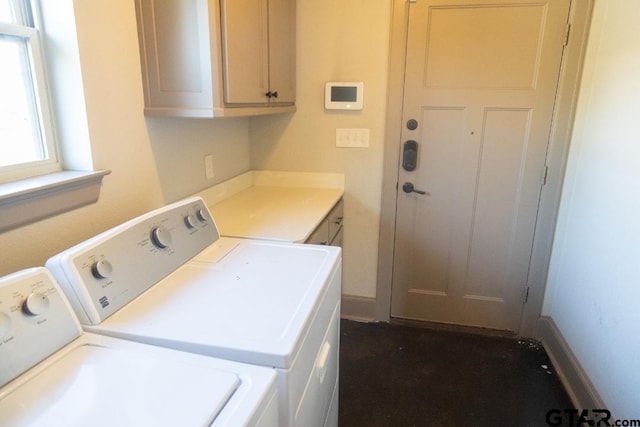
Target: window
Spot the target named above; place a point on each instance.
(33, 184)
(27, 143)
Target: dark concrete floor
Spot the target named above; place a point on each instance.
(394, 375)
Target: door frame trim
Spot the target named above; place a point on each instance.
(562, 125)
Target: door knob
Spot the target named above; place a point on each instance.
(408, 187)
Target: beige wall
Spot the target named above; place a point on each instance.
(337, 40)
(153, 161)
(179, 147)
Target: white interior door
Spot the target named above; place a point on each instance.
(480, 83)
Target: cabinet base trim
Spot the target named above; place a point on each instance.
(208, 113)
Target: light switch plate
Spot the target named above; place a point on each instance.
(352, 137)
(208, 166)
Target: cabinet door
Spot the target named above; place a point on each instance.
(245, 51)
(175, 53)
(282, 49)
(320, 235)
(335, 219)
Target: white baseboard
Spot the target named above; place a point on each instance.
(358, 308)
(581, 390)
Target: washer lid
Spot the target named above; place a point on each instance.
(99, 386)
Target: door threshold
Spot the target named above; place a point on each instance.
(473, 330)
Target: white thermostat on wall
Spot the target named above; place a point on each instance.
(343, 95)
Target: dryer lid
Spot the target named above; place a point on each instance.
(255, 305)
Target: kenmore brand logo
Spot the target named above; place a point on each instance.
(104, 301)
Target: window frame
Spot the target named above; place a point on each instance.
(29, 30)
(36, 191)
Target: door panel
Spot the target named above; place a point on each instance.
(503, 150)
(481, 80)
(509, 34)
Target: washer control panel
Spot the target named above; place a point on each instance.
(105, 273)
(35, 321)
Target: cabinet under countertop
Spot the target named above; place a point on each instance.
(284, 206)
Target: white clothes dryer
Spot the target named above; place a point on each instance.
(168, 279)
(53, 374)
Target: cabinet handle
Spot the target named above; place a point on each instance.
(271, 94)
(338, 220)
(323, 357)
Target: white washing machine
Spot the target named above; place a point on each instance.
(168, 279)
(53, 374)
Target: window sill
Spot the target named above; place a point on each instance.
(29, 200)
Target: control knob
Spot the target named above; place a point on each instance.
(190, 221)
(161, 237)
(102, 269)
(202, 215)
(36, 304)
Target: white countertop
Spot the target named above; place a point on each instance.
(285, 206)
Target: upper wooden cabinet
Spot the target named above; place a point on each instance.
(217, 58)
